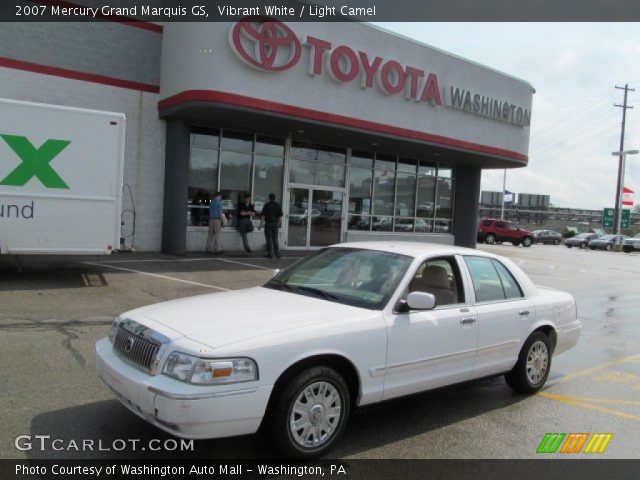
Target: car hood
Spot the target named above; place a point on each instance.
(632, 240)
(224, 318)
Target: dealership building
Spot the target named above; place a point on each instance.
(360, 133)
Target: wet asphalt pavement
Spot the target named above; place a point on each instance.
(52, 313)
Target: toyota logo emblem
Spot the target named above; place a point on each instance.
(129, 345)
(265, 43)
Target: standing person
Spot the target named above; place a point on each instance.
(246, 212)
(271, 218)
(215, 225)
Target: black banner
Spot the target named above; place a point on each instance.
(583, 469)
(322, 10)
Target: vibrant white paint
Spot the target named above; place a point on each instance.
(394, 353)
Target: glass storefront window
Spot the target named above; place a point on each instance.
(361, 159)
(385, 162)
(203, 182)
(382, 224)
(238, 142)
(269, 146)
(444, 201)
(405, 194)
(407, 165)
(360, 182)
(383, 192)
(267, 178)
(426, 196)
(312, 165)
(403, 225)
(359, 222)
(205, 137)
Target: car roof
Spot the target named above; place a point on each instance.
(414, 249)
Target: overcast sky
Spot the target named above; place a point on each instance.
(575, 127)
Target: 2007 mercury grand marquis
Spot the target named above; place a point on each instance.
(353, 324)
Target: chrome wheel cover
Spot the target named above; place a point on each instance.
(315, 414)
(537, 362)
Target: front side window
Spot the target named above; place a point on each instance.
(514, 228)
(440, 277)
(362, 278)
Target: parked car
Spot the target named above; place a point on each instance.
(351, 325)
(631, 244)
(495, 231)
(581, 240)
(605, 242)
(547, 237)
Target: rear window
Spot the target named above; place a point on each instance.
(491, 280)
(486, 223)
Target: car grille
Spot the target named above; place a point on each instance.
(135, 350)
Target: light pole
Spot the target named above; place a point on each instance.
(623, 161)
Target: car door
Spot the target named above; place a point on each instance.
(502, 311)
(501, 230)
(431, 348)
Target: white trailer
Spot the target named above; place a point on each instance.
(60, 179)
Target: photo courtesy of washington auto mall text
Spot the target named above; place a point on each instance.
(339, 239)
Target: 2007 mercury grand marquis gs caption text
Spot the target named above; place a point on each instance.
(353, 324)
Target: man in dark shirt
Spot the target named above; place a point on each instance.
(271, 218)
(246, 212)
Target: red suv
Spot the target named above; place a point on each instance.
(495, 231)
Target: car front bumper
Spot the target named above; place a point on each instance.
(181, 409)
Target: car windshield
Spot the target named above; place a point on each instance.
(362, 278)
(607, 237)
(583, 235)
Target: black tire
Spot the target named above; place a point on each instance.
(284, 406)
(490, 239)
(527, 242)
(517, 378)
(556, 242)
(592, 248)
(569, 245)
(583, 245)
(609, 247)
(627, 249)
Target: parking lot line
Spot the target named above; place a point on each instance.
(597, 368)
(157, 275)
(243, 263)
(575, 401)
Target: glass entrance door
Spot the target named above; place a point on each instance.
(315, 217)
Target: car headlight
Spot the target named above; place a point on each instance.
(114, 330)
(209, 371)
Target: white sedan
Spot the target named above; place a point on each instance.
(351, 325)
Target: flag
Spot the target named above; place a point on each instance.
(627, 197)
(508, 196)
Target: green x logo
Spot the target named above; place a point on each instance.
(35, 162)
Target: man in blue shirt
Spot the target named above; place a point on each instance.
(215, 225)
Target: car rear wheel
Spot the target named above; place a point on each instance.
(534, 363)
(527, 241)
(556, 242)
(592, 248)
(609, 247)
(583, 245)
(490, 238)
(311, 413)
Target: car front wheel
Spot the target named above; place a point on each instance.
(609, 247)
(534, 363)
(527, 241)
(311, 413)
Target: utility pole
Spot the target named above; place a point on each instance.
(617, 206)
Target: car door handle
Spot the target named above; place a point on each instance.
(524, 313)
(468, 320)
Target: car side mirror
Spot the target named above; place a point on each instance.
(275, 272)
(421, 301)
